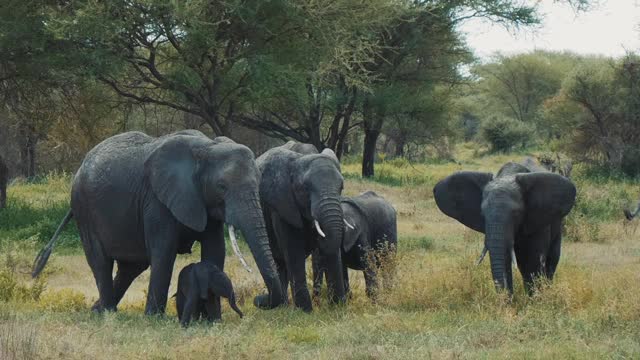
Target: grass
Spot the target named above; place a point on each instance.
(441, 307)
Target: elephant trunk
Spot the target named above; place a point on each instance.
(330, 219)
(499, 241)
(247, 214)
(234, 306)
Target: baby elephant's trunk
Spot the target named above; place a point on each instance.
(234, 306)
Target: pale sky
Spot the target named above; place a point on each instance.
(608, 29)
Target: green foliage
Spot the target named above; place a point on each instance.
(504, 134)
(597, 113)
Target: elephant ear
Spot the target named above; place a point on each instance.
(460, 197)
(277, 187)
(328, 152)
(170, 170)
(547, 197)
(351, 236)
(220, 284)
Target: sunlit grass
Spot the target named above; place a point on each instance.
(442, 305)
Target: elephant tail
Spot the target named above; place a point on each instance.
(43, 255)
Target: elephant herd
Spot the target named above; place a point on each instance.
(139, 201)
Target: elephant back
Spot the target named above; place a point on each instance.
(380, 214)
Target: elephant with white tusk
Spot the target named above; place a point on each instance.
(300, 192)
(139, 201)
(520, 211)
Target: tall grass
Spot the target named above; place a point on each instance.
(441, 305)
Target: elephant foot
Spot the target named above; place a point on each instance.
(99, 309)
(263, 302)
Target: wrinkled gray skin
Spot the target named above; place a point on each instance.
(198, 286)
(4, 179)
(374, 228)
(140, 200)
(296, 189)
(518, 209)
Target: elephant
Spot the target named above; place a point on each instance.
(300, 196)
(629, 215)
(371, 225)
(140, 200)
(520, 211)
(198, 285)
(4, 179)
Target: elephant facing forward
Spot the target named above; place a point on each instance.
(518, 211)
(198, 285)
(300, 191)
(371, 225)
(139, 201)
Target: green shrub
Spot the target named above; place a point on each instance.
(503, 134)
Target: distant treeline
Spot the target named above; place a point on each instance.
(360, 77)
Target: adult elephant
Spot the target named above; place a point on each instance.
(518, 211)
(139, 201)
(371, 226)
(300, 194)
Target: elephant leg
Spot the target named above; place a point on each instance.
(209, 310)
(161, 239)
(345, 277)
(553, 255)
(102, 269)
(531, 257)
(291, 243)
(180, 303)
(213, 249)
(371, 281)
(317, 264)
(190, 307)
(127, 272)
(297, 274)
(3, 197)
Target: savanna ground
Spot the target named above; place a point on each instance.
(442, 306)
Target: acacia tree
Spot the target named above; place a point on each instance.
(598, 112)
(196, 57)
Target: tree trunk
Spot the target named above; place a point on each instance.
(369, 153)
(28, 144)
(399, 151)
(372, 126)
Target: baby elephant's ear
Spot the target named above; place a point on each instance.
(460, 197)
(548, 197)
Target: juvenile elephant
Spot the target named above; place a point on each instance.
(371, 225)
(140, 200)
(4, 179)
(301, 194)
(198, 285)
(518, 211)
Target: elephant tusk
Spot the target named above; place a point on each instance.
(513, 258)
(318, 228)
(236, 248)
(348, 225)
(482, 255)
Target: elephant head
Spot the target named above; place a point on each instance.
(210, 280)
(305, 190)
(515, 202)
(200, 180)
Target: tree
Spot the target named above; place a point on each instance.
(598, 112)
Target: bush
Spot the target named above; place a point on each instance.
(503, 134)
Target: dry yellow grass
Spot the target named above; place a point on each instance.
(442, 306)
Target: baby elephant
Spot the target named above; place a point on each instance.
(370, 224)
(198, 285)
